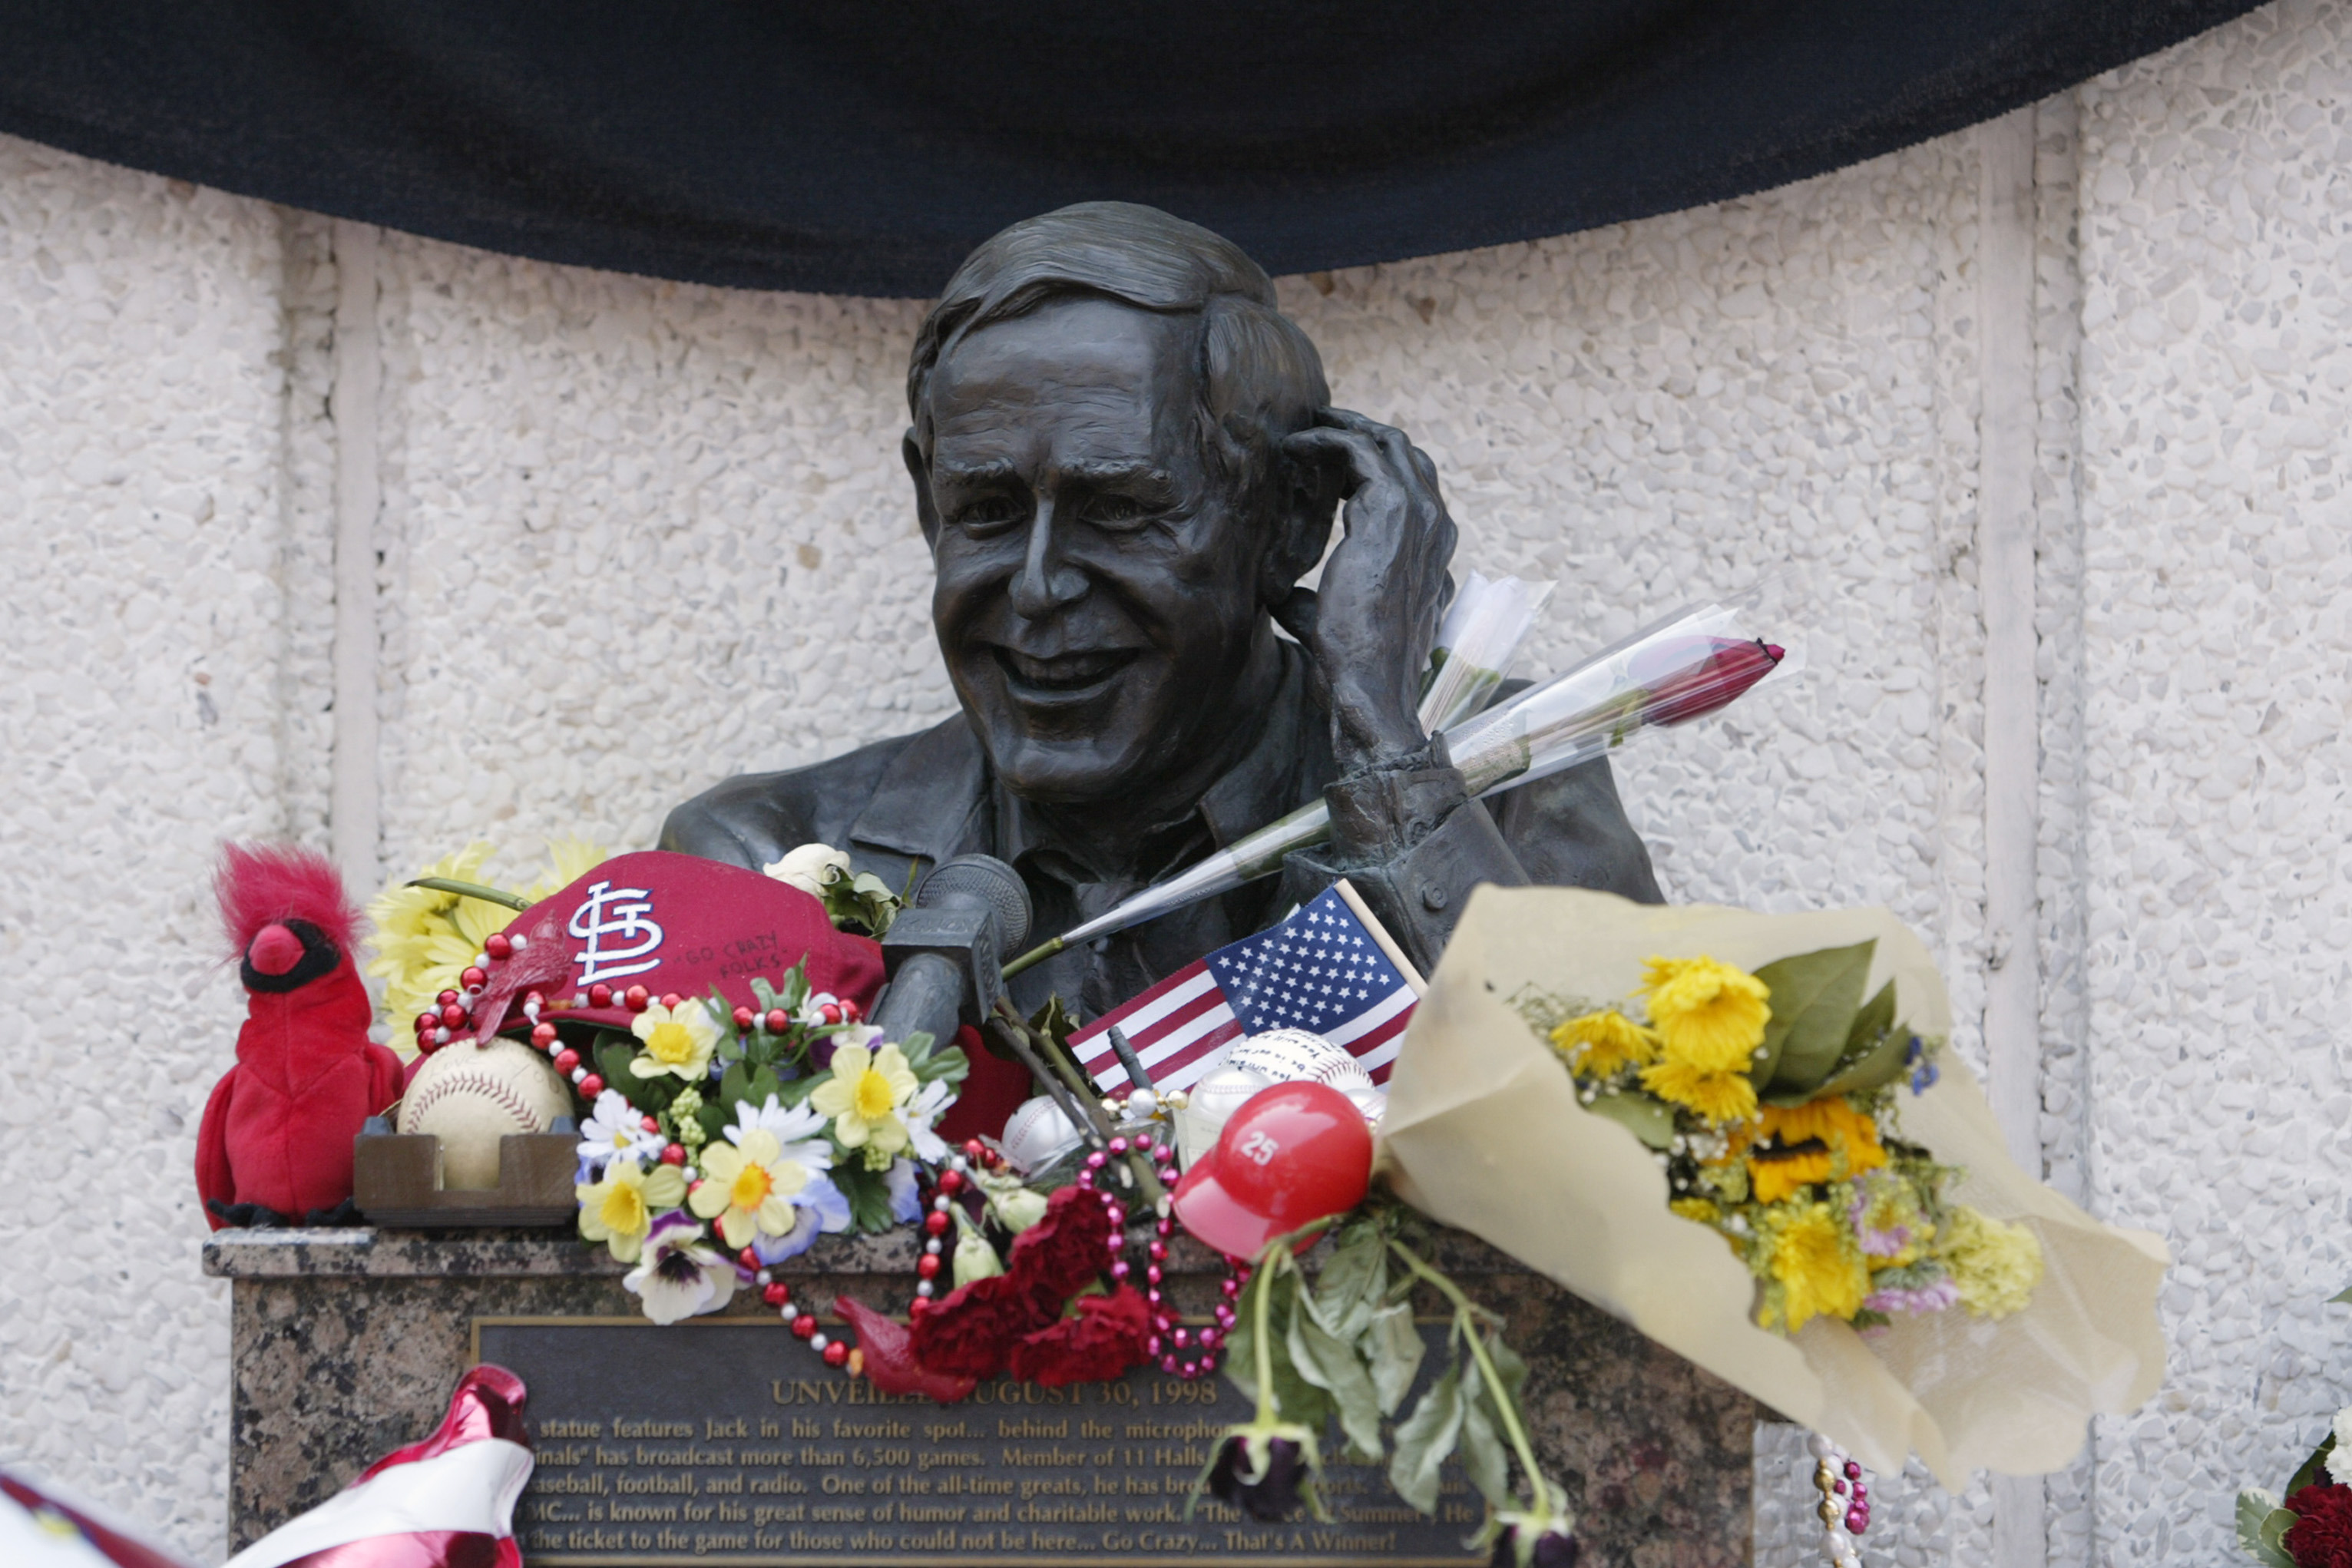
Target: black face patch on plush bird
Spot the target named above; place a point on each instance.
(319, 957)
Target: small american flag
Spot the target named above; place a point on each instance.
(1318, 970)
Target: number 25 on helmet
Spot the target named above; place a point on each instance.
(1289, 1156)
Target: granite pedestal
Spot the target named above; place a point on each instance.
(345, 1344)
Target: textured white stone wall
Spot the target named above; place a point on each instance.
(159, 691)
(2216, 389)
(637, 536)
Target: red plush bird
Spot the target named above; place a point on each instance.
(275, 1145)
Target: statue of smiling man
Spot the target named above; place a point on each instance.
(1124, 461)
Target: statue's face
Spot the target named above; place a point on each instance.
(1097, 590)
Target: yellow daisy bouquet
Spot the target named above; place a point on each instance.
(1772, 1099)
(1746, 1135)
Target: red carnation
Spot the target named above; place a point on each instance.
(2322, 1536)
(1067, 1250)
(971, 1333)
(889, 1358)
(1101, 1340)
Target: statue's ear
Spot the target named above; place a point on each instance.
(919, 471)
(1302, 525)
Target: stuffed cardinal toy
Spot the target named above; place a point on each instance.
(275, 1145)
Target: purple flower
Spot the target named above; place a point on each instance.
(1264, 1475)
(680, 1275)
(1915, 1299)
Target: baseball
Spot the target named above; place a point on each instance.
(1037, 1133)
(471, 1096)
(1301, 1056)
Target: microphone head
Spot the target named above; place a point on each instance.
(983, 880)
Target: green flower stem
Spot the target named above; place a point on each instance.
(1034, 955)
(1466, 1315)
(488, 895)
(1262, 1287)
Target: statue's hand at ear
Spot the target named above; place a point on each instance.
(1370, 627)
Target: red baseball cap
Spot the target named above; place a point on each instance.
(1291, 1155)
(670, 923)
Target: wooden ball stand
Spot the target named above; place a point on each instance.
(397, 1180)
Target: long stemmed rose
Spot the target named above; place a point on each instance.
(1693, 663)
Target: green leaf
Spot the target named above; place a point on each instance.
(1395, 1348)
(1482, 1451)
(1814, 998)
(1509, 1366)
(754, 1085)
(1352, 1282)
(2315, 1468)
(614, 1055)
(713, 1120)
(2257, 1537)
(1644, 1117)
(868, 1196)
(1331, 1365)
(2344, 1295)
(1295, 1398)
(1425, 1439)
(1873, 1056)
(938, 1064)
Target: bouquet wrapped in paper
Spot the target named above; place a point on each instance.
(1738, 1133)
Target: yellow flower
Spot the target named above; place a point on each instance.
(1598, 1044)
(568, 860)
(1710, 1016)
(678, 1041)
(619, 1209)
(424, 939)
(745, 1186)
(1817, 1268)
(1700, 1209)
(1849, 1140)
(1716, 1097)
(863, 1098)
(1995, 1264)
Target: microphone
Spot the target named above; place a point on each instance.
(945, 954)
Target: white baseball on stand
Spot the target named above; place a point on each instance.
(470, 1096)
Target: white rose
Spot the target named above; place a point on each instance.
(810, 868)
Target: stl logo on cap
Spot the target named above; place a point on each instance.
(1291, 1155)
(720, 928)
(617, 913)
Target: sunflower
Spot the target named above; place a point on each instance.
(1709, 1015)
(1848, 1143)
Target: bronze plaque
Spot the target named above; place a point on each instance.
(726, 1441)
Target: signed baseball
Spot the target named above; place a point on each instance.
(1037, 1134)
(471, 1096)
(1301, 1056)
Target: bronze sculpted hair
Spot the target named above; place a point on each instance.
(1260, 377)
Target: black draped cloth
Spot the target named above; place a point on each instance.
(862, 147)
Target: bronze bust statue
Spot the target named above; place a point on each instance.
(1124, 460)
